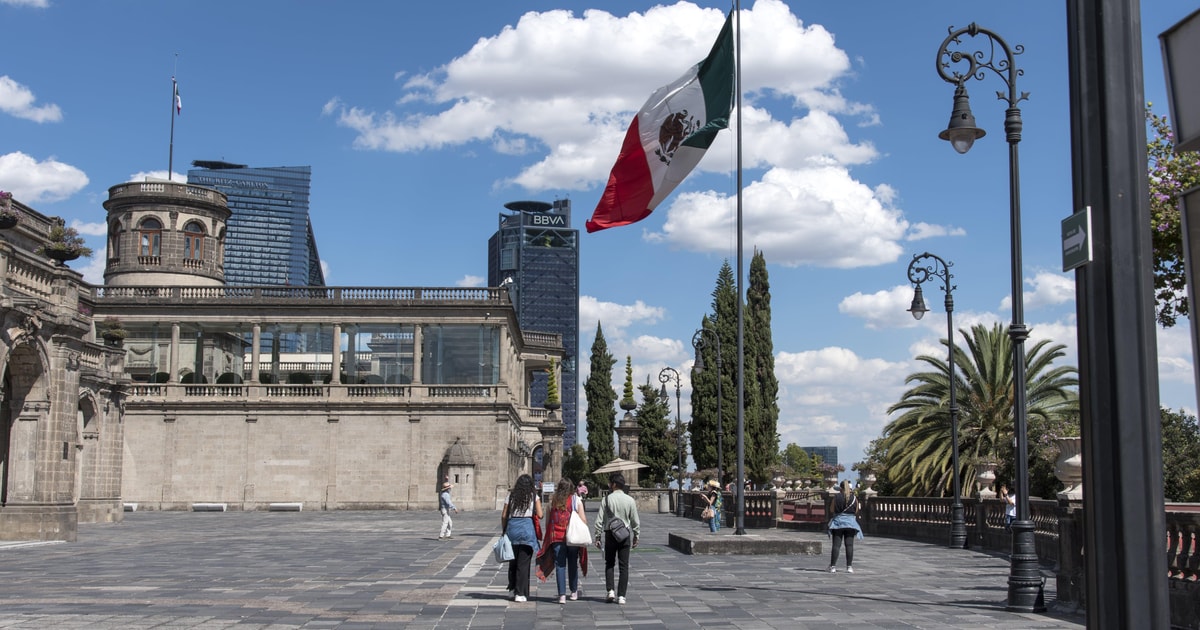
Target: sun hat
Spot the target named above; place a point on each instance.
(447, 485)
(713, 483)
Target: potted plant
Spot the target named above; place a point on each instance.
(63, 243)
(627, 401)
(552, 400)
(112, 331)
(9, 216)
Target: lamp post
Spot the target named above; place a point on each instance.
(921, 269)
(699, 343)
(664, 376)
(1024, 580)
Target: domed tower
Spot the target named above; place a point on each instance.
(165, 233)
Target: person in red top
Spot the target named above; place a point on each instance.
(555, 553)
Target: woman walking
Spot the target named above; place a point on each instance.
(556, 555)
(844, 526)
(522, 511)
(712, 495)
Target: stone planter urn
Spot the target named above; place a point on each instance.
(831, 481)
(869, 480)
(1069, 467)
(986, 476)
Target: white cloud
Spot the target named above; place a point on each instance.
(613, 318)
(470, 281)
(143, 176)
(921, 231)
(575, 105)
(31, 181)
(37, 4)
(325, 270)
(18, 100)
(94, 271)
(819, 216)
(1175, 354)
(90, 229)
(834, 397)
(882, 309)
(1046, 288)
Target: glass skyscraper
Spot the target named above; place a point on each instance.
(535, 253)
(270, 239)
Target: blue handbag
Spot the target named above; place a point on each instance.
(503, 549)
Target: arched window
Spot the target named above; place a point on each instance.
(150, 237)
(114, 240)
(193, 241)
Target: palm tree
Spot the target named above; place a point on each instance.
(918, 442)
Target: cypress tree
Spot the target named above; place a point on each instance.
(601, 398)
(656, 449)
(762, 432)
(704, 424)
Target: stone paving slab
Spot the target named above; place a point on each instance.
(379, 570)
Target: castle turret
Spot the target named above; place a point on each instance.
(165, 233)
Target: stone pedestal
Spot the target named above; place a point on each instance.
(1069, 468)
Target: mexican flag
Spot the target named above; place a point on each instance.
(178, 101)
(668, 136)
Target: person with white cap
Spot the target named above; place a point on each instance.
(445, 505)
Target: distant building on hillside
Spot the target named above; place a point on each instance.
(535, 255)
(828, 454)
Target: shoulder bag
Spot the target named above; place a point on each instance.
(614, 525)
(577, 530)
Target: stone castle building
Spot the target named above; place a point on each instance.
(192, 405)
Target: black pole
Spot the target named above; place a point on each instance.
(1124, 522)
(664, 376)
(740, 520)
(918, 274)
(1024, 579)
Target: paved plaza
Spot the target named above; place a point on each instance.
(347, 570)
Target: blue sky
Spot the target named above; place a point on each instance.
(420, 120)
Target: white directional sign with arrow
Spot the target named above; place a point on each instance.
(1077, 239)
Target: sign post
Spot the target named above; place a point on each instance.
(1077, 239)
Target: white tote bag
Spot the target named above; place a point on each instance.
(577, 530)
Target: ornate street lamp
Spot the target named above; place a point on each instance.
(699, 342)
(921, 269)
(664, 376)
(1024, 579)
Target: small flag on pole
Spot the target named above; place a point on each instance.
(668, 136)
(178, 101)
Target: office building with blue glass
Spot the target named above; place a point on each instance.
(270, 238)
(535, 254)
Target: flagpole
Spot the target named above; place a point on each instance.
(174, 99)
(740, 524)
(171, 152)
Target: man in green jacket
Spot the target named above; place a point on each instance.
(617, 531)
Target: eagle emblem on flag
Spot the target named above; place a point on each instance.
(674, 130)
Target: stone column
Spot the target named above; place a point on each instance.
(173, 377)
(255, 353)
(627, 444)
(552, 447)
(335, 369)
(351, 354)
(418, 338)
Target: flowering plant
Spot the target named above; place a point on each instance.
(831, 469)
(7, 210)
(1171, 174)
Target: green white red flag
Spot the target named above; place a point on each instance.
(178, 101)
(668, 136)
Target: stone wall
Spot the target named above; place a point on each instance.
(378, 455)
